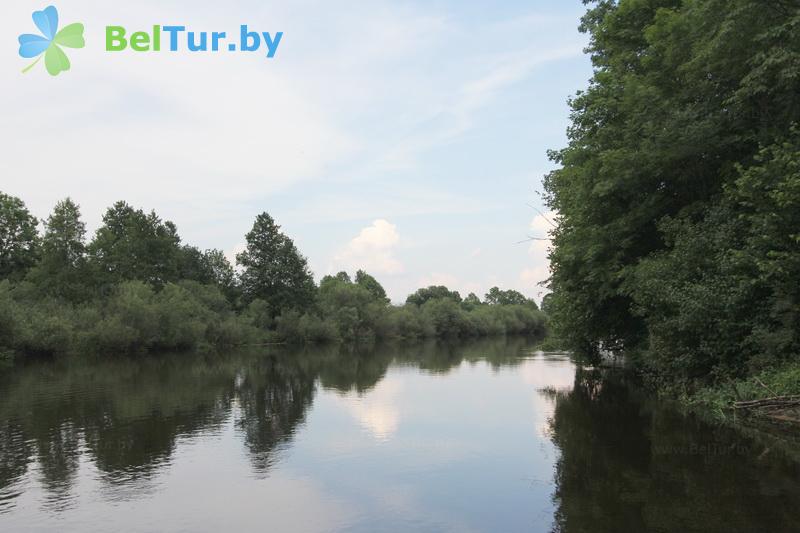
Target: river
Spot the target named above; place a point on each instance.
(485, 435)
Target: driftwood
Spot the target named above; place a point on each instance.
(780, 408)
(775, 401)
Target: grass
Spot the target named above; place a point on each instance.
(718, 399)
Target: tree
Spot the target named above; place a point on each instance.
(342, 276)
(434, 292)
(134, 245)
(495, 296)
(547, 303)
(62, 270)
(210, 268)
(273, 269)
(190, 265)
(371, 284)
(471, 302)
(18, 238)
(654, 250)
(220, 272)
(349, 305)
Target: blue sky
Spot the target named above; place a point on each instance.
(405, 137)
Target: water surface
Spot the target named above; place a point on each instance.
(477, 436)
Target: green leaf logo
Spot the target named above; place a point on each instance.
(50, 42)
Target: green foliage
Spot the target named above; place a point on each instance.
(471, 302)
(446, 316)
(407, 322)
(134, 245)
(8, 321)
(496, 296)
(133, 318)
(355, 308)
(210, 268)
(63, 270)
(371, 284)
(136, 289)
(434, 292)
(678, 192)
(294, 327)
(18, 238)
(717, 399)
(273, 269)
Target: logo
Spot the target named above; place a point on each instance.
(174, 37)
(50, 42)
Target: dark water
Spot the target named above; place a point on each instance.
(485, 436)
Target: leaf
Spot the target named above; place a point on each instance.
(56, 60)
(71, 36)
(32, 45)
(47, 21)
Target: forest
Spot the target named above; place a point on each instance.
(678, 193)
(136, 288)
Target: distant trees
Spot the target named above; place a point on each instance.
(63, 268)
(273, 269)
(434, 292)
(134, 245)
(356, 309)
(471, 302)
(136, 288)
(496, 296)
(210, 267)
(371, 285)
(18, 238)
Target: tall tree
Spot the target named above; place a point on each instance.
(134, 245)
(496, 296)
(210, 267)
(18, 238)
(273, 268)
(220, 272)
(62, 270)
(371, 284)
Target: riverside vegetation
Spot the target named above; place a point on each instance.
(136, 288)
(678, 197)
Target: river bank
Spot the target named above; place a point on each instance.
(772, 394)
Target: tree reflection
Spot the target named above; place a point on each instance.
(628, 464)
(14, 453)
(127, 415)
(274, 400)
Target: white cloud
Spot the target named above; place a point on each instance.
(372, 249)
(454, 119)
(355, 120)
(378, 411)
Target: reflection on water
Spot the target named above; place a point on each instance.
(479, 436)
(625, 461)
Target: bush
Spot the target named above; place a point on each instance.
(134, 317)
(446, 316)
(293, 327)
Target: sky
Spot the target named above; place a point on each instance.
(405, 138)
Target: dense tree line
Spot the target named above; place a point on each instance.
(136, 287)
(679, 192)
